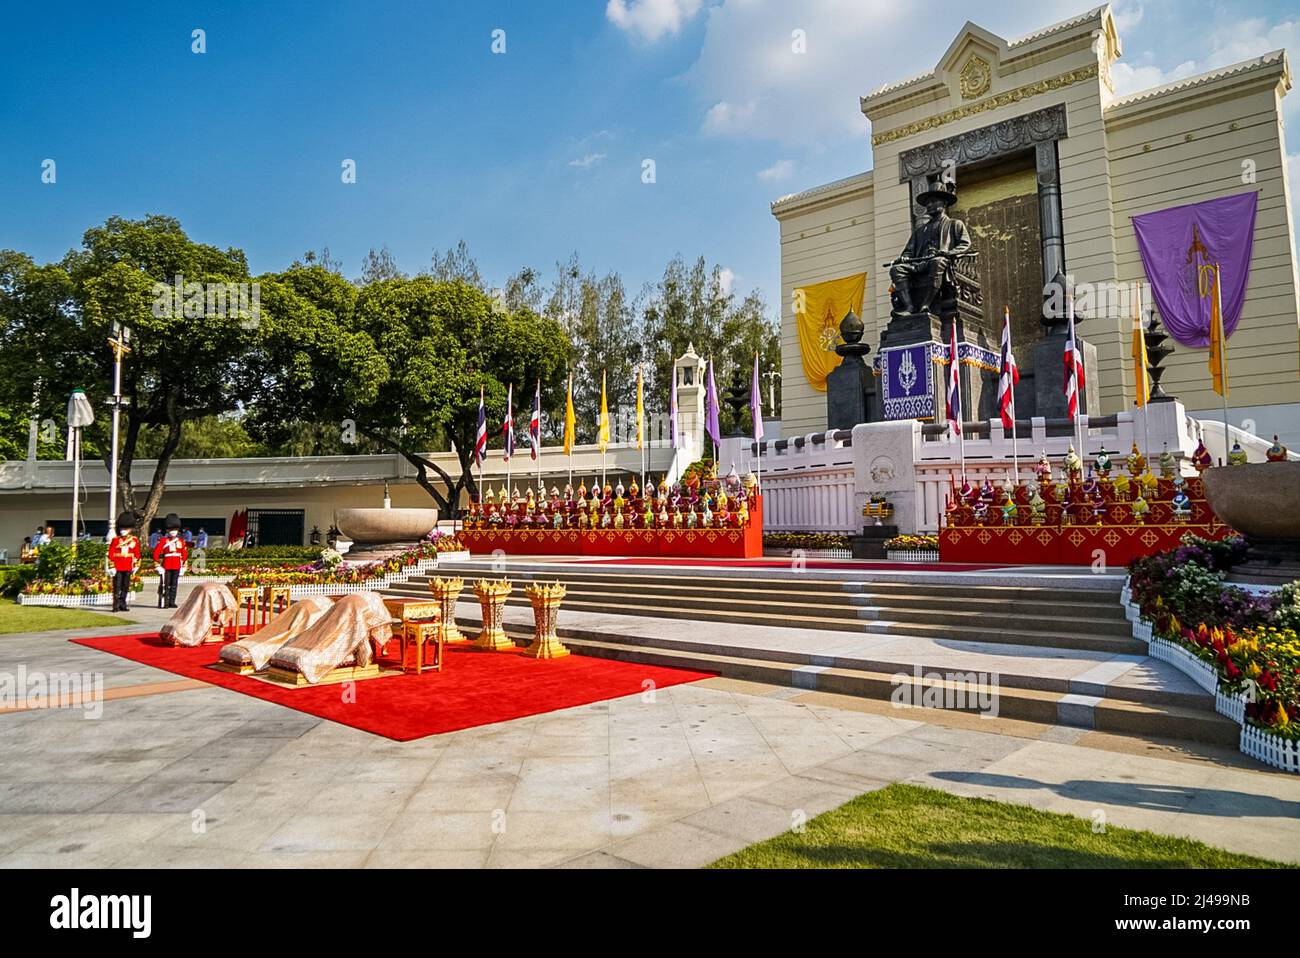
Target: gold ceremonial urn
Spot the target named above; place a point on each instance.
(492, 597)
(546, 611)
(447, 591)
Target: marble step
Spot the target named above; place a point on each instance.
(1153, 720)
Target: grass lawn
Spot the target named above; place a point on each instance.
(36, 618)
(906, 826)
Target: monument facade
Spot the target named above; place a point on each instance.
(1050, 166)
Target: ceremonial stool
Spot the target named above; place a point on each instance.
(245, 597)
(417, 622)
(277, 600)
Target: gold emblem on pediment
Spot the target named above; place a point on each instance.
(976, 77)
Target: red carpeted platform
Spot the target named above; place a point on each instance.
(474, 688)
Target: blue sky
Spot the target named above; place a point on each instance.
(529, 154)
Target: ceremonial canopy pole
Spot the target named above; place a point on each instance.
(80, 414)
(508, 434)
(535, 434)
(640, 422)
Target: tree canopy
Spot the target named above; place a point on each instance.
(320, 364)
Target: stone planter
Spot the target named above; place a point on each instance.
(1260, 500)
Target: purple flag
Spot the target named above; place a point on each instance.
(756, 403)
(711, 425)
(1175, 244)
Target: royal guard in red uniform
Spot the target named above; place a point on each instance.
(169, 560)
(124, 554)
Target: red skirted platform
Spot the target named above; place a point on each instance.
(474, 688)
(1118, 537)
(743, 543)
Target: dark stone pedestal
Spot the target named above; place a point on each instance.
(871, 543)
(1049, 377)
(1268, 562)
(979, 388)
(850, 390)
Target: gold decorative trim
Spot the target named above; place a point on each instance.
(992, 103)
(976, 77)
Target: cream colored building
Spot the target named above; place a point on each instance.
(1040, 112)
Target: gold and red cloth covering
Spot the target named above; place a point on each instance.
(1070, 534)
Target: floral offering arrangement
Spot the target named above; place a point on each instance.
(333, 569)
(1250, 639)
(913, 542)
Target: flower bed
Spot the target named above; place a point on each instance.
(1244, 646)
(807, 541)
(916, 547)
(331, 575)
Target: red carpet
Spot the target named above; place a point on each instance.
(474, 688)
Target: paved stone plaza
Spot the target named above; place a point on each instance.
(699, 771)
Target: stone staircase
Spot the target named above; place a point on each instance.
(799, 630)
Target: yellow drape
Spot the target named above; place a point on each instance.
(818, 311)
(602, 430)
(570, 421)
(1210, 285)
(1142, 381)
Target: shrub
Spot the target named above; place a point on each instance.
(805, 540)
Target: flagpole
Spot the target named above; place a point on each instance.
(1223, 357)
(510, 417)
(1015, 459)
(537, 437)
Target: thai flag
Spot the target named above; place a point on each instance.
(480, 437)
(508, 427)
(954, 384)
(1010, 374)
(1073, 364)
(535, 424)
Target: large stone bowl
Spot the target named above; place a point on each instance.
(374, 526)
(1261, 500)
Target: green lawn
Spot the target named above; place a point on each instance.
(905, 826)
(35, 618)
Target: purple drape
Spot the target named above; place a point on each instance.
(1176, 241)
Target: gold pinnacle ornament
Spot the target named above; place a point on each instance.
(447, 591)
(546, 610)
(492, 597)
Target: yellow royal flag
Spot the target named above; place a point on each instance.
(640, 410)
(1218, 361)
(602, 434)
(570, 421)
(818, 310)
(1141, 378)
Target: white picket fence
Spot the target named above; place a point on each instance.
(98, 600)
(1256, 742)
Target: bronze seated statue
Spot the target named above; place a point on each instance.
(936, 272)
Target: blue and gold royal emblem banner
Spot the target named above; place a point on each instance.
(908, 382)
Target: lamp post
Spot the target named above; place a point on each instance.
(121, 335)
(771, 376)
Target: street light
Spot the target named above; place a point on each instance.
(120, 335)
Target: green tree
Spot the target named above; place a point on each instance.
(187, 363)
(400, 362)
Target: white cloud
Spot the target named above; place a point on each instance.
(588, 161)
(752, 82)
(1130, 78)
(726, 280)
(780, 170)
(651, 19)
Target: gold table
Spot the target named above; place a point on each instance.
(417, 622)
